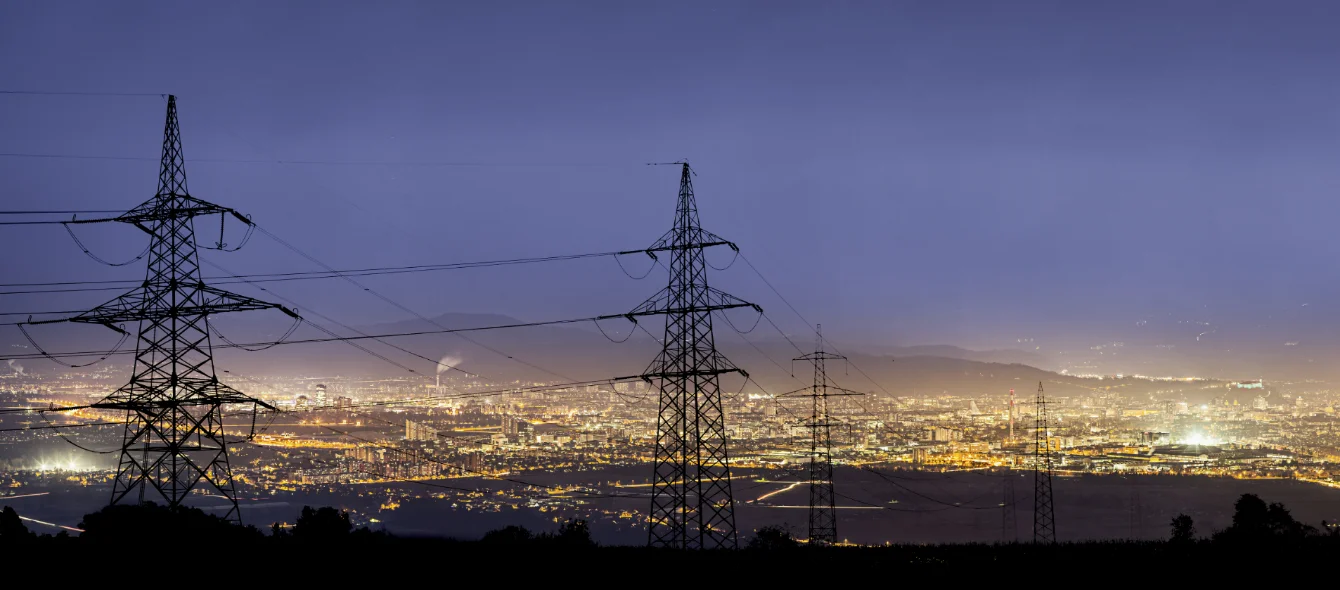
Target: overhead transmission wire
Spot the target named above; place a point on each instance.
(416, 314)
(776, 399)
(75, 444)
(80, 93)
(332, 333)
(459, 395)
(299, 162)
(339, 338)
(380, 403)
(806, 322)
(61, 212)
(314, 275)
(460, 468)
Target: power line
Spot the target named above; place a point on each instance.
(418, 315)
(32, 222)
(66, 212)
(383, 403)
(348, 338)
(950, 504)
(331, 333)
(60, 426)
(313, 275)
(420, 164)
(61, 93)
(805, 321)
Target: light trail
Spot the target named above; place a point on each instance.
(51, 524)
(24, 496)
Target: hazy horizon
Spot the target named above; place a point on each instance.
(905, 173)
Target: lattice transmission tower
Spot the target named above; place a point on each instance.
(1044, 514)
(174, 429)
(823, 514)
(691, 502)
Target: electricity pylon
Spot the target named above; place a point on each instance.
(174, 434)
(1044, 515)
(691, 502)
(823, 515)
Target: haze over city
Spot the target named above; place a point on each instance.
(451, 226)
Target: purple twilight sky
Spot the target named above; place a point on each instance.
(905, 172)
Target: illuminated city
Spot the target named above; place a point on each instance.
(991, 286)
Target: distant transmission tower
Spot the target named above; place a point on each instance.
(1044, 514)
(691, 502)
(174, 438)
(823, 516)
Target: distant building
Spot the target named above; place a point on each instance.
(1155, 438)
(939, 434)
(320, 396)
(420, 432)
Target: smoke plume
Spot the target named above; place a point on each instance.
(447, 363)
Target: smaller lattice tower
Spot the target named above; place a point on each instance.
(1044, 513)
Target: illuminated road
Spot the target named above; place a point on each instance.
(775, 492)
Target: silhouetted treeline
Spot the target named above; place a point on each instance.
(1259, 530)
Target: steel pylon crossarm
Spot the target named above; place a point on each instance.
(174, 440)
(692, 506)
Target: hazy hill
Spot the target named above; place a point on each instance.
(581, 352)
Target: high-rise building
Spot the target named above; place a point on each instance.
(513, 428)
(415, 431)
(320, 396)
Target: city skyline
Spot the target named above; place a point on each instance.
(919, 256)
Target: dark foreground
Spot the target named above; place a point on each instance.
(324, 545)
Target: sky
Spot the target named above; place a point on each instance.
(905, 172)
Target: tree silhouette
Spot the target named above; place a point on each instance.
(322, 524)
(151, 522)
(772, 538)
(1183, 529)
(508, 535)
(11, 526)
(1251, 515)
(574, 533)
(1256, 522)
